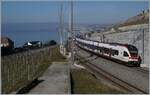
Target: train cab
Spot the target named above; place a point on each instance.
(133, 54)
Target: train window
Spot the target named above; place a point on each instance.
(97, 47)
(116, 52)
(112, 52)
(125, 53)
(94, 47)
(106, 50)
(100, 49)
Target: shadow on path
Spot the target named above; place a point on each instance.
(27, 88)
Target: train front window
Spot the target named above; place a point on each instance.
(134, 53)
(133, 50)
(125, 54)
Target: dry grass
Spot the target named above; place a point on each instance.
(18, 73)
(56, 55)
(84, 82)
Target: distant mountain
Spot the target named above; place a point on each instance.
(141, 18)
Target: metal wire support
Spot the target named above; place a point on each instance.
(61, 24)
(72, 32)
(143, 47)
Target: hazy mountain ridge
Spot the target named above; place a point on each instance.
(141, 18)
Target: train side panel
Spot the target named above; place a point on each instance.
(111, 51)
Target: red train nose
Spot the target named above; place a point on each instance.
(133, 57)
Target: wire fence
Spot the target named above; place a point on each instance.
(21, 68)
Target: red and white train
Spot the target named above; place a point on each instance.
(124, 53)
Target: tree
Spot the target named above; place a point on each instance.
(49, 43)
(52, 42)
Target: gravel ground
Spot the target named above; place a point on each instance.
(55, 80)
(125, 73)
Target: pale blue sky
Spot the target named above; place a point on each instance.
(84, 12)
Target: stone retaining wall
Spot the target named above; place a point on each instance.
(134, 37)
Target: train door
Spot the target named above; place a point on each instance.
(102, 48)
(97, 48)
(125, 56)
(110, 52)
(120, 54)
(115, 53)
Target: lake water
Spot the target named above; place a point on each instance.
(23, 32)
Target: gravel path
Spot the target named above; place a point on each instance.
(55, 80)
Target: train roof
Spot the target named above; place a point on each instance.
(114, 44)
(118, 44)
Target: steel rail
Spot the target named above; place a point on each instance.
(120, 83)
(136, 68)
(141, 70)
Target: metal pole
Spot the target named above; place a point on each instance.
(143, 47)
(72, 32)
(71, 44)
(60, 25)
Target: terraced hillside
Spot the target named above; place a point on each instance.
(141, 18)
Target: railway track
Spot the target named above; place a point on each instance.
(118, 82)
(139, 69)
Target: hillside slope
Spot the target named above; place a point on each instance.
(141, 18)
